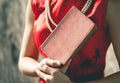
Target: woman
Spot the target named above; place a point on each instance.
(88, 65)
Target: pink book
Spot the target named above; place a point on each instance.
(71, 34)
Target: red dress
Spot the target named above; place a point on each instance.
(89, 64)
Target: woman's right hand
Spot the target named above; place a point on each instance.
(51, 71)
(47, 67)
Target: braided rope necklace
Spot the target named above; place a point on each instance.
(49, 17)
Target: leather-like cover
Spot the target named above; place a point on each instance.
(69, 36)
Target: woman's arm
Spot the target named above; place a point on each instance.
(28, 63)
(28, 53)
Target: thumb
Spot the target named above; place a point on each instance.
(65, 67)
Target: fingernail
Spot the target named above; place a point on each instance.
(58, 62)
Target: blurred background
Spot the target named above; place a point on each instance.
(12, 17)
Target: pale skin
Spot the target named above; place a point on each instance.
(50, 70)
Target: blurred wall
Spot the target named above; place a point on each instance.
(12, 14)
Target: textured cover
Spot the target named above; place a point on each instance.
(69, 37)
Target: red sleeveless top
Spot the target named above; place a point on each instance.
(89, 63)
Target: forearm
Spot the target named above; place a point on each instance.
(27, 66)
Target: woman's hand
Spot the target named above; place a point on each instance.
(51, 71)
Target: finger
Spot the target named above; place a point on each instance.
(65, 67)
(43, 75)
(53, 63)
(47, 69)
